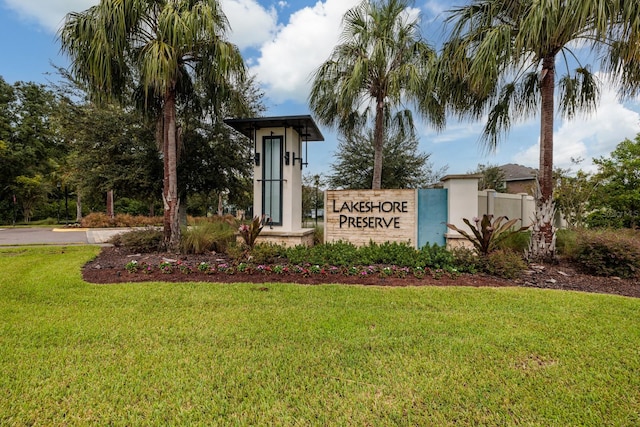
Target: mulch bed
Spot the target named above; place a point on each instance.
(109, 267)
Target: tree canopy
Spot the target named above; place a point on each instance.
(166, 47)
(501, 60)
(618, 178)
(381, 63)
(404, 166)
(30, 147)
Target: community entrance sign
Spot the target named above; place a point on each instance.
(417, 217)
(361, 216)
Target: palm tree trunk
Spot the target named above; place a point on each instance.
(542, 247)
(378, 143)
(546, 128)
(110, 207)
(170, 182)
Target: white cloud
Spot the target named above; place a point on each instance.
(455, 131)
(287, 62)
(47, 13)
(251, 24)
(588, 137)
(436, 9)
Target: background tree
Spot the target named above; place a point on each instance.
(381, 62)
(618, 192)
(404, 167)
(166, 46)
(114, 149)
(502, 55)
(216, 162)
(30, 147)
(312, 194)
(573, 193)
(492, 178)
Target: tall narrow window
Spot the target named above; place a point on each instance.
(272, 179)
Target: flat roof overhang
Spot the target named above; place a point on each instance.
(304, 125)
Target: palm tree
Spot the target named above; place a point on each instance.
(381, 60)
(504, 53)
(163, 46)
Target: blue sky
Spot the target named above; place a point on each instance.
(283, 42)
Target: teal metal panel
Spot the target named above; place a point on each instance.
(432, 216)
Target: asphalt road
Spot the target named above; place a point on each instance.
(56, 236)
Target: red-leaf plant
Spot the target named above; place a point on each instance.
(488, 232)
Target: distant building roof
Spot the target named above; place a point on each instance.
(515, 172)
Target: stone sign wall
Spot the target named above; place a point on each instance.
(361, 216)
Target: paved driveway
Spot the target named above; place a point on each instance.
(56, 236)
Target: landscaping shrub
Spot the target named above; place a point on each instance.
(227, 218)
(503, 263)
(97, 220)
(608, 253)
(125, 220)
(334, 253)
(235, 251)
(337, 253)
(604, 218)
(269, 253)
(566, 242)
(394, 253)
(435, 256)
(318, 235)
(207, 236)
(345, 254)
(141, 240)
(488, 232)
(139, 221)
(517, 242)
(250, 232)
(466, 260)
(102, 220)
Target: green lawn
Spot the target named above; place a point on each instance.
(73, 353)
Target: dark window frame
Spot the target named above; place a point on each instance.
(269, 181)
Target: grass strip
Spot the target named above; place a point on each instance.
(73, 353)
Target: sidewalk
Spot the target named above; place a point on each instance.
(102, 235)
(10, 236)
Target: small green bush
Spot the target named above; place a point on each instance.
(503, 263)
(608, 253)
(142, 240)
(566, 242)
(604, 218)
(335, 253)
(517, 242)
(466, 260)
(236, 251)
(318, 235)
(267, 253)
(395, 253)
(435, 256)
(346, 254)
(207, 236)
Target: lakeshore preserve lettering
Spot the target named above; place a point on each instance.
(369, 214)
